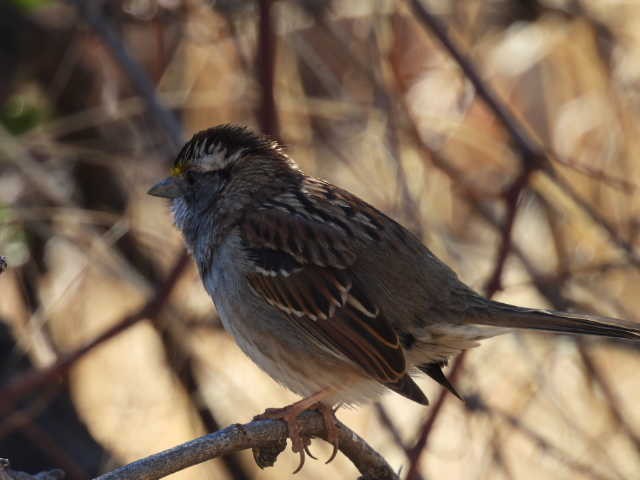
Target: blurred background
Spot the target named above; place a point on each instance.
(96, 96)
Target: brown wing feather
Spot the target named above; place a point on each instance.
(315, 287)
(323, 300)
(304, 240)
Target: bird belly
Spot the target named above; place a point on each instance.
(296, 363)
(291, 359)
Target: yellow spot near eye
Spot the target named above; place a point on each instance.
(177, 170)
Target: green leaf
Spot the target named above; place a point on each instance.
(18, 115)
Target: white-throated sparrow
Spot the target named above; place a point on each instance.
(332, 298)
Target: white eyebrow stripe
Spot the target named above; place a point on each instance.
(212, 157)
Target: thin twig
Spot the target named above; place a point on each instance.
(427, 427)
(7, 474)
(530, 152)
(477, 404)
(530, 149)
(55, 453)
(611, 398)
(181, 363)
(256, 434)
(385, 420)
(91, 13)
(493, 285)
(622, 185)
(388, 423)
(383, 100)
(511, 197)
(596, 218)
(266, 62)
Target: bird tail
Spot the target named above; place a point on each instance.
(509, 316)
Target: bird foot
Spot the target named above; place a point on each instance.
(299, 442)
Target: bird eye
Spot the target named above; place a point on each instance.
(189, 177)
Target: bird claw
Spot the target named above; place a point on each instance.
(301, 464)
(299, 442)
(289, 415)
(329, 419)
(308, 452)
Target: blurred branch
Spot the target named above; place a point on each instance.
(427, 427)
(476, 403)
(56, 454)
(256, 434)
(596, 218)
(90, 11)
(530, 150)
(388, 423)
(3, 264)
(554, 297)
(532, 155)
(7, 474)
(611, 399)
(266, 62)
(383, 100)
(621, 184)
(22, 420)
(511, 196)
(181, 362)
(532, 160)
(37, 378)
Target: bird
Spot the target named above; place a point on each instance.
(332, 298)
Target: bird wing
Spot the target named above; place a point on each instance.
(302, 260)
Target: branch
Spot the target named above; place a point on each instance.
(258, 435)
(7, 474)
(533, 156)
(531, 151)
(90, 11)
(427, 427)
(266, 63)
(611, 398)
(3, 264)
(182, 364)
(511, 197)
(476, 404)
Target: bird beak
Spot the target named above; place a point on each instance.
(167, 188)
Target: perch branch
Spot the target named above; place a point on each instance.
(257, 434)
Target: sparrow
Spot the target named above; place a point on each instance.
(328, 295)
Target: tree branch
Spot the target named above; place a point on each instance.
(258, 434)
